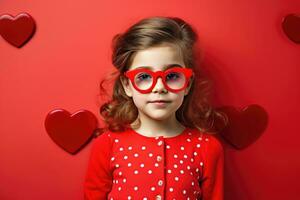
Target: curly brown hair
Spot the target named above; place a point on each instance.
(120, 111)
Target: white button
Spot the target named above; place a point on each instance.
(158, 197)
(160, 143)
(158, 158)
(160, 182)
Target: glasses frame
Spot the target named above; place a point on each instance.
(188, 73)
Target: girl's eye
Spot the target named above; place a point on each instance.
(173, 76)
(143, 76)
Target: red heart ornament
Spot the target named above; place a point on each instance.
(70, 132)
(291, 27)
(244, 126)
(17, 30)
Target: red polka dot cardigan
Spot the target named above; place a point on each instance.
(129, 165)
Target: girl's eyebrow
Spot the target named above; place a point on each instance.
(164, 68)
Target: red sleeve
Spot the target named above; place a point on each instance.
(98, 180)
(213, 169)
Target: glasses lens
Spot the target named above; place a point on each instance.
(175, 80)
(143, 80)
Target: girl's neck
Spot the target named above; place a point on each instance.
(152, 128)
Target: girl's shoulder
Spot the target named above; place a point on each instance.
(110, 136)
(103, 139)
(209, 141)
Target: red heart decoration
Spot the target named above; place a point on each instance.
(17, 30)
(291, 27)
(245, 126)
(70, 132)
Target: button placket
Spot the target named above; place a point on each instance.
(160, 163)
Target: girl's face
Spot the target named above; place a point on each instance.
(157, 58)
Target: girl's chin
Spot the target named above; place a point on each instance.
(159, 116)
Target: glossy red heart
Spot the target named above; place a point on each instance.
(17, 30)
(244, 126)
(291, 27)
(71, 132)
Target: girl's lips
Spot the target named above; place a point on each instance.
(160, 103)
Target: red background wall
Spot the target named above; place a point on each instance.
(60, 67)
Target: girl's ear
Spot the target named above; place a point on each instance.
(126, 86)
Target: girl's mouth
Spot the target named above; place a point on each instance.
(159, 103)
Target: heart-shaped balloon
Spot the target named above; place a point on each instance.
(244, 126)
(17, 30)
(291, 27)
(71, 132)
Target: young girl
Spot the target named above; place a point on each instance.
(156, 144)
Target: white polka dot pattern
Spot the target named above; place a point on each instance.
(157, 167)
(142, 160)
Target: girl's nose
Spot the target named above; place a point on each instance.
(159, 86)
